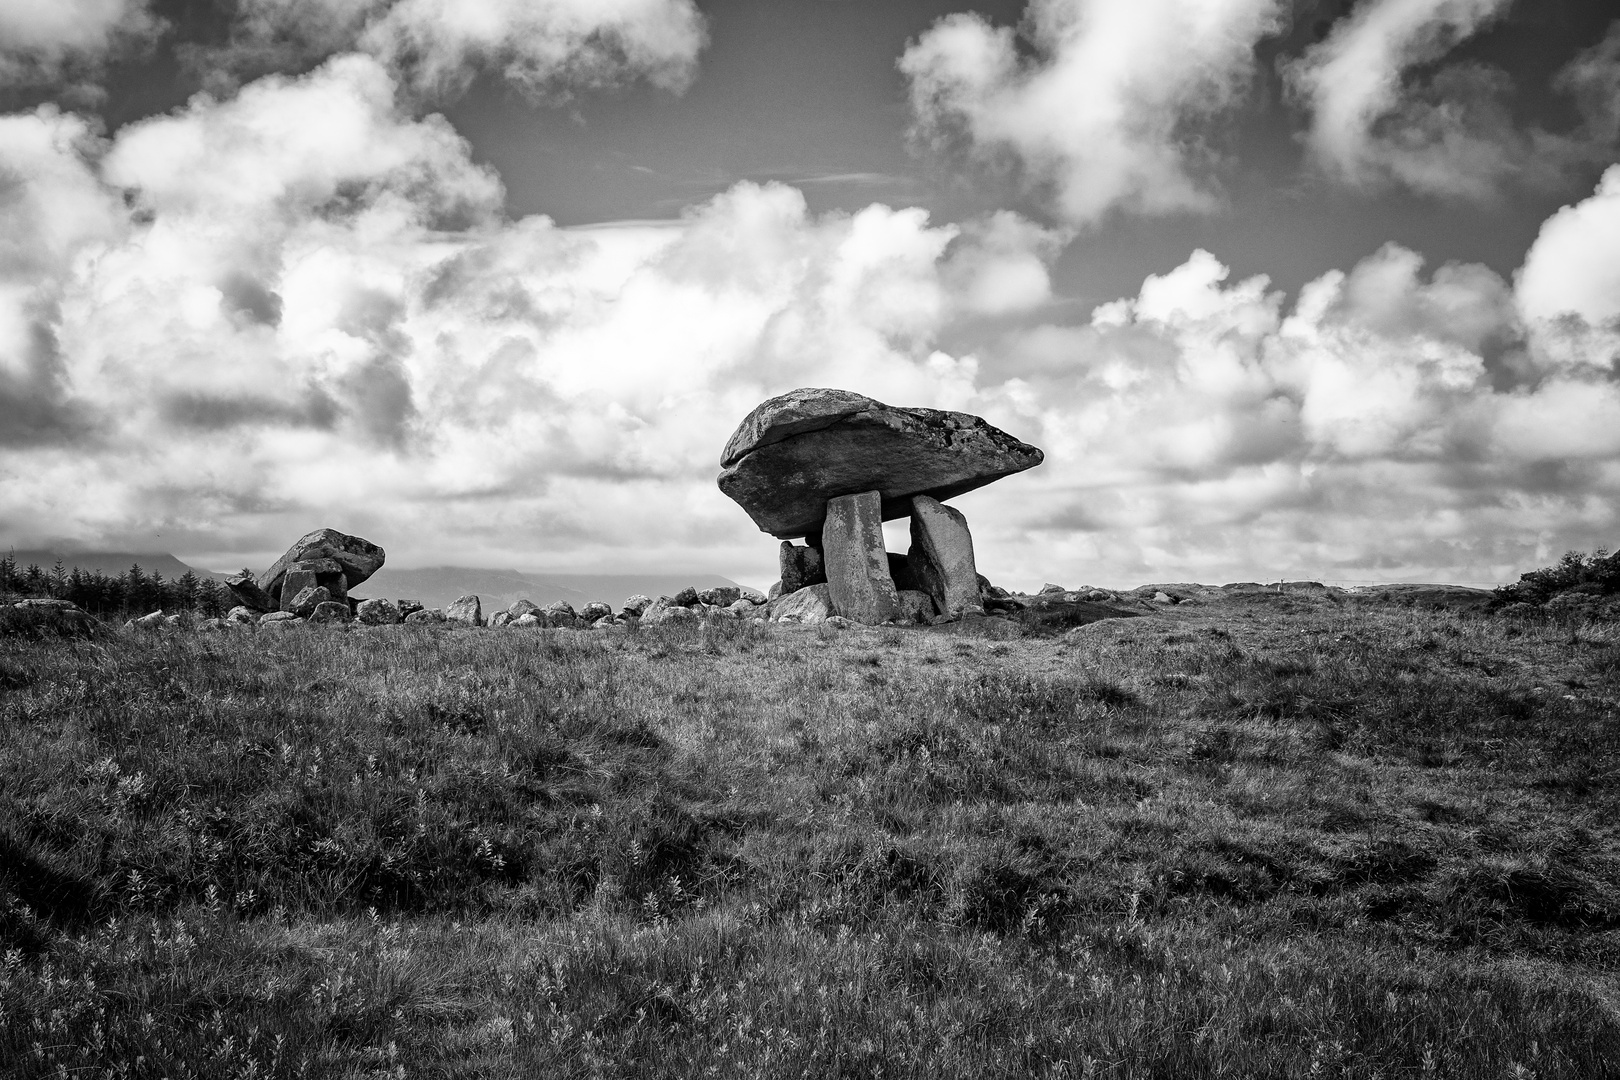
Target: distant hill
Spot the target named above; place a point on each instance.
(112, 563)
(437, 586)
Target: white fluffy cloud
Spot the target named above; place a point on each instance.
(230, 324)
(1452, 133)
(40, 39)
(256, 320)
(435, 46)
(1106, 111)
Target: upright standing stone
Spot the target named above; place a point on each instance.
(801, 567)
(942, 557)
(467, 610)
(856, 563)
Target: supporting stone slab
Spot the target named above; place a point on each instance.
(801, 567)
(941, 557)
(856, 563)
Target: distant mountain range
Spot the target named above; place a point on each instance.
(434, 586)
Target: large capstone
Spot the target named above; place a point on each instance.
(794, 453)
(356, 559)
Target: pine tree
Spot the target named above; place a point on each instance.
(185, 591)
(59, 580)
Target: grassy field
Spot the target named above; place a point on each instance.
(1271, 837)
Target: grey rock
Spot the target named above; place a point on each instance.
(378, 612)
(941, 557)
(751, 595)
(660, 612)
(595, 611)
(245, 588)
(407, 607)
(857, 565)
(776, 590)
(916, 606)
(425, 617)
(795, 453)
(528, 620)
(500, 618)
(294, 582)
(800, 565)
(308, 599)
(242, 614)
(901, 572)
(332, 611)
(604, 623)
(174, 622)
(812, 604)
(562, 614)
(1051, 588)
(274, 618)
(742, 608)
(838, 621)
(637, 604)
(1162, 597)
(721, 595)
(466, 610)
(686, 597)
(357, 559)
(521, 608)
(40, 603)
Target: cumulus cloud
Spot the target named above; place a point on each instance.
(1452, 133)
(1108, 111)
(41, 41)
(232, 323)
(436, 46)
(259, 320)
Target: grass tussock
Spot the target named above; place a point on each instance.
(1228, 841)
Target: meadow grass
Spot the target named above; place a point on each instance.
(1270, 837)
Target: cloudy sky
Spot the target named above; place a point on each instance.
(1317, 288)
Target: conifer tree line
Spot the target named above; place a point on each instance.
(134, 592)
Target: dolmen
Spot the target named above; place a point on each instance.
(311, 581)
(830, 466)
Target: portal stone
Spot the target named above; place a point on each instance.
(941, 557)
(857, 565)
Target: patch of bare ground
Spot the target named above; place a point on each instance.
(1248, 838)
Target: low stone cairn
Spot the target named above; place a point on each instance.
(829, 467)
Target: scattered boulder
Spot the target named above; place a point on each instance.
(796, 452)
(685, 598)
(753, 596)
(721, 596)
(151, 621)
(916, 606)
(741, 608)
(500, 618)
(529, 619)
(308, 599)
(595, 611)
(776, 590)
(857, 565)
(521, 608)
(941, 557)
(245, 588)
(425, 617)
(1051, 588)
(242, 614)
(313, 573)
(357, 559)
(637, 604)
(662, 611)
(604, 623)
(809, 605)
(407, 608)
(467, 610)
(275, 618)
(562, 614)
(378, 612)
(331, 611)
(1162, 597)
